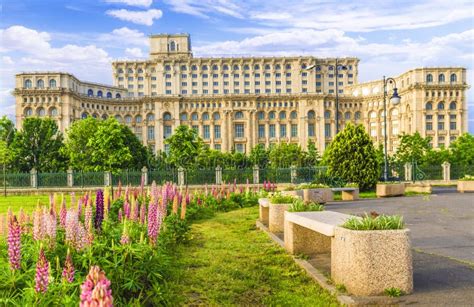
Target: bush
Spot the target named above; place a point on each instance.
(372, 222)
(311, 186)
(301, 206)
(282, 199)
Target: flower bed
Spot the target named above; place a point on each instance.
(104, 249)
(278, 205)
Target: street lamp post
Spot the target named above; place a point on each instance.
(338, 67)
(394, 99)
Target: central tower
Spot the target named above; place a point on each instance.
(170, 45)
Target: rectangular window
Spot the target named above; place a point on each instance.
(168, 83)
(331, 83)
(261, 131)
(217, 147)
(205, 76)
(304, 82)
(194, 76)
(257, 91)
(184, 83)
(184, 92)
(240, 148)
(236, 75)
(166, 131)
(215, 91)
(271, 131)
(288, 82)
(282, 131)
(318, 76)
(452, 126)
(304, 74)
(205, 83)
(168, 92)
(311, 130)
(167, 148)
(278, 82)
(257, 75)
(215, 83)
(267, 75)
(288, 74)
(196, 128)
(226, 75)
(294, 130)
(318, 83)
(278, 75)
(305, 90)
(327, 130)
(217, 131)
(215, 76)
(267, 83)
(130, 78)
(150, 133)
(168, 76)
(257, 82)
(239, 130)
(441, 126)
(246, 75)
(429, 126)
(194, 84)
(206, 131)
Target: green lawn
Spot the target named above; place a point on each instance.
(27, 202)
(230, 262)
(365, 194)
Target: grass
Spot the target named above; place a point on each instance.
(381, 222)
(27, 202)
(412, 193)
(230, 262)
(365, 194)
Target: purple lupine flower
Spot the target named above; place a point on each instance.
(126, 209)
(14, 243)
(152, 223)
(62, 214)
(42, 273)
(68, 271)
(95, 291)
(99, 209)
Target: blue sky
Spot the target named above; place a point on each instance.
(83, 37)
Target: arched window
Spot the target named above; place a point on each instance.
(104, 116)
(183, 116)
(150, 117)
(429, 106)
(99, 94)
(52, 83)
(373, 115)
(84, 115)
(194, 116)
(293, 115)
(130, 71)
(120, 71)
(256, 67)
(118, 95)
(327, 114)
(239, 115)
(205, 67)
(166, 116)
(357, 115)
(167, 67)
(226, 67)
(311, 114)
(282, 115)
(288, 66)
(271, 115)
(441, 78)
(277, 67)
(347, 115)
(28, 83)
(53, 112)
(183, 67)
(236, 67)
(128, 119)
(215, 67)
(261, 115)
(172, 46)
(246, 67)
(95, 115)
(40, 83)
(216, 116)
(453, 78)
(205, 116)
(452, 105)
(267, 67)
(441, 106)
(109, 95)
(138, 119)
(140, 71)
(90, 93)
(194, 67)
(118, 118)
(429, 78)
(331, 67)
(28, 112)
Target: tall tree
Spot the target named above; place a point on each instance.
(77, 143)
(412, 148)
(185, 146)
(7, 130)
(462, 150)
(259, 156)
(285, 155)
(312, 156)
(38, 145)
(352, 157)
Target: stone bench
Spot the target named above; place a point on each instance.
(347, 193)
(366, 262)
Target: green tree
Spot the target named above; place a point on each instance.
(77, 144)
(185, 146)
(140, 154)
(7, 130)
(462, 150)
(412, 148)
(285, 155)
(38, 145)
(110, 151)
(352, 157)
(312, 156)
(259, 156)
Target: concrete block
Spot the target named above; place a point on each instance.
(276, 217)
(302, 240)
(465, 186)
(389, 190)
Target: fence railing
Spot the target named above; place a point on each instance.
(218, 175)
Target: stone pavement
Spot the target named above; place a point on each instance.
(442, 234)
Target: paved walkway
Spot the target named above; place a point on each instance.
(442, 233)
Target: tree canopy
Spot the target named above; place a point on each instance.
(184, 147)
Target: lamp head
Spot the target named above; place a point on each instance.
(310, 67)
(395, 99)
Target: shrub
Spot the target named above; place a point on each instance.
(393, 292)
(312, 186)
(467, 178)
(375, 222)
(301, 206)
(282, 199)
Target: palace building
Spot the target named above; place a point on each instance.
(240, 102)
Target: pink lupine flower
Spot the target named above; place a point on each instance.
(90, 233)
(79, 208)
(62, 214)
(23, 220)
(73, 198)
(14, 243)
(42, 273)
(152, 223)
(82, 238)
(88, 214)
(95, 291)
(71, 226)
(120, 215)
(125, 239)
(68, 271)
(37, 227)
(50, 226)
(142, 213)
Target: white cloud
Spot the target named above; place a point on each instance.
(134, 52)
(139, 17)
(202, 8)
(144, 3)
(6, 60)
(125, 36)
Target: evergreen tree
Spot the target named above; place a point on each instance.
(352, 157)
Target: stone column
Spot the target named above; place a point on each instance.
(224, 133)
(107, 178)
(293, 174)
(181, 176)
(446, 171)
(34, 178)
(145, 175)
(70, 177)
(256, 174)
(408, 169)
(218, 175)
